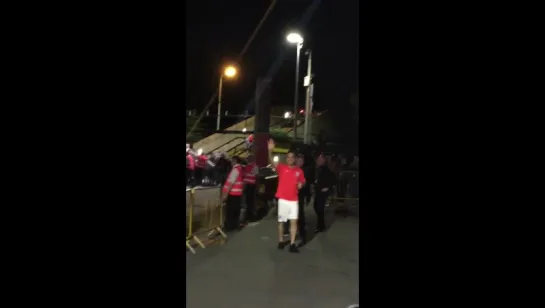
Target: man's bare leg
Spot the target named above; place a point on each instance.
(281, 243)
(293, 233)
(293, 230)
(280, 232)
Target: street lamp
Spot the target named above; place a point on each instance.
(229, 72)
(287, 115)
(296, 38)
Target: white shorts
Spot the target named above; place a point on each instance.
(287, 210)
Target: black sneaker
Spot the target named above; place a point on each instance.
(293, 248)
(282, 245)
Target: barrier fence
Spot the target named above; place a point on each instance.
(345, 196)
(204, 219)
(205, 215)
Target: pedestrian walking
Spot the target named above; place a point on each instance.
(325, 179)
(231, 194)
(200, 165)
(304, 195)
(215, 171)
(250, 173)
(208, 170)
(290, 180)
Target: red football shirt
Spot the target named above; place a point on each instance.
(288, 178)
(191, 164)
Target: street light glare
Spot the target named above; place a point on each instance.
(275, 159)
(244, 130)
(230, 71)
(295, 38)
(287, 115)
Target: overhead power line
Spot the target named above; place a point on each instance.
(246, 46)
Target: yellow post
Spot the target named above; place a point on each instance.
(188, 236)
(188, 245)
(191, 203)
(192, 236)
(220, 223)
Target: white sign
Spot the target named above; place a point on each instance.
(306, 81)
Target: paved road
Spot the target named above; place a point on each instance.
(249, 271)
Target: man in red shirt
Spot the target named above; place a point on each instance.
(249, 142)
(290, 180)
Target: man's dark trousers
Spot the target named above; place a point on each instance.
(319, 208)
(249, 193)
(304, 197)
(232, 212)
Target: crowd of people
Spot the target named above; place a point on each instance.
(302, 180)
(205, 169)
(298, 183)
(209, 169)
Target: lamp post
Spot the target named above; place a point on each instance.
(308, 106)
(296, 38)
(229, 72)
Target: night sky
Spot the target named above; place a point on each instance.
(218, 30)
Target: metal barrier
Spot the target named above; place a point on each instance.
(345, 194)
(208, 219)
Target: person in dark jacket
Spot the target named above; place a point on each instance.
(223, 167)
(325, 179)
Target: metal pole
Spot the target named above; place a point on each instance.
(311, 108)
(307, 102)
(299, 46)
(219, 103)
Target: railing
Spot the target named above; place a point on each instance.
(345, 197)
(226, 143)
(232, 151)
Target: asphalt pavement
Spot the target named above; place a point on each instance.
(249, 271)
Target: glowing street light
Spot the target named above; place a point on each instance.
(244, 130)
(295, 38)
(287, 114)
(229, 72)
(275, 159)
